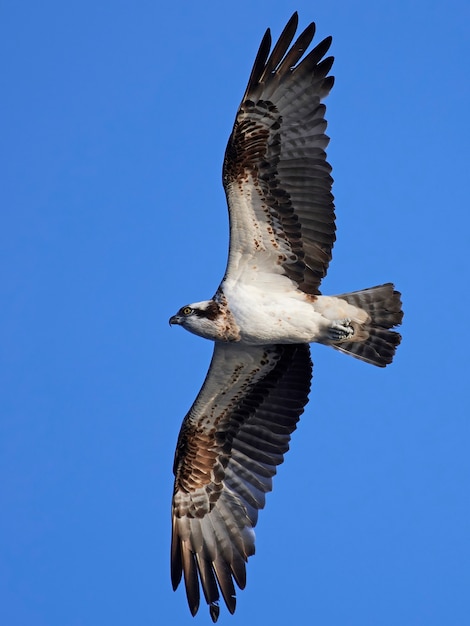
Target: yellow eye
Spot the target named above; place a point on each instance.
(186, 310)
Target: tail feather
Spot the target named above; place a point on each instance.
(383, 306)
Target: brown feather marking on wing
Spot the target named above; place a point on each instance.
(278, 145)
(212, 523)
(201, 466)
(247, 145)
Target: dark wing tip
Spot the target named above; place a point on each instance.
(281, 46)
(214, 611)
(176, 562)
(260, 61)
(267, 62)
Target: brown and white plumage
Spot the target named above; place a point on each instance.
(266, 311)
(231, 441)
(277, 150)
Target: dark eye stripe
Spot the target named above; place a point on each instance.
(211, 312)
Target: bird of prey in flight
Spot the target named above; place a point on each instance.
(262, 318)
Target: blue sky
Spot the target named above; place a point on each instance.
(115, 117)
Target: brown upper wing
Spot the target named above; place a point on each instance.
(275, 173)
(230, 443)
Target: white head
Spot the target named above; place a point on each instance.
(200, 318)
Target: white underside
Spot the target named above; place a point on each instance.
(282, 314)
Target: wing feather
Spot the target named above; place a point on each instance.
(297, 50)
(260, 60)
(280, 48)
(276, 176)
(230, 443)
(224, 576)
(190, 579)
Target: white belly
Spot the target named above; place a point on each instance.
(274, 317)
(274, 312)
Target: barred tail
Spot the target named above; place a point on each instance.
(383, 305)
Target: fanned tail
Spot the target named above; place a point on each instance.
(383, 305)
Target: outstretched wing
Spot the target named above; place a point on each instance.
(230, 443)
(276, 177)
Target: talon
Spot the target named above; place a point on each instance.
(341, 330)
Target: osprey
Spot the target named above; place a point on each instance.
(263, 316)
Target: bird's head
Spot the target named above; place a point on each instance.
(200, 318)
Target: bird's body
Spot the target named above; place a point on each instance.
(263, 316)
(274, 316)
(255, 315)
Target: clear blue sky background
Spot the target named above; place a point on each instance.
(115, 117)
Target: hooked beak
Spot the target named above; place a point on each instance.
(174, 319)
